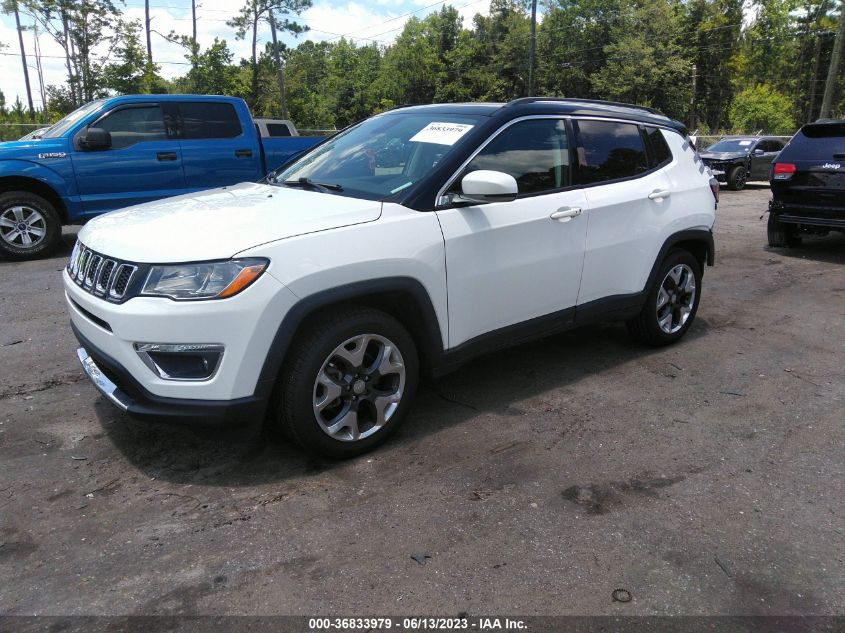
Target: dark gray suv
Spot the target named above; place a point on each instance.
(734, 160)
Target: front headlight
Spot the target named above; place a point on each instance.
(204, 280)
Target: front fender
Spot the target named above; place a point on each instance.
(63, 187)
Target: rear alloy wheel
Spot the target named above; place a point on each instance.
(29, 226)
(672, 302)
(781, 234)
(348, 382)
(737, 177)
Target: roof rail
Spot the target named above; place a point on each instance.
(618, 104)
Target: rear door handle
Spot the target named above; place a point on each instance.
(243, 153)
(659, 194)
(565, 214)
(166, 155)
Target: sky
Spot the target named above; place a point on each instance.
(363, 21)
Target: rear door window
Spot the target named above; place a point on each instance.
(608, 150)
(208, 119)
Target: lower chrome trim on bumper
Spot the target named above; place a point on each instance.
(101, 382)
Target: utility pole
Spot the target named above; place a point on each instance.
(23, 61)
(194, 23)
(147, 29)
(532, 45)
(813, 90)
(39, 67)
(279, 72)
(833, 69)
(692, 118)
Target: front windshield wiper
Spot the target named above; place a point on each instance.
(307, 182)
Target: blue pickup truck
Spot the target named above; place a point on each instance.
(116, 152)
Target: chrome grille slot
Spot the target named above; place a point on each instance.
(93, 267)
(100, 275)
(121, 281)
(104, 276)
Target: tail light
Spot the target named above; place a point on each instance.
(714, 187)
(783, 171)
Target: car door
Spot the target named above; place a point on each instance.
(510, 262)
(629, 199)
(216, 149)
(143, 163)
(761, 161)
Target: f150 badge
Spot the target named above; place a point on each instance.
(831, 166)
(52, 155)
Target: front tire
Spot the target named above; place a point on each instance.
(781, 234)
(672, 301)
(737, 177)
(30, 227)
(347, 383)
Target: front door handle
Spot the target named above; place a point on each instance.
(243, 153)
(565, 214)
(659, 194)
(166, 155)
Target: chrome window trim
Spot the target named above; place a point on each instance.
(442, 202)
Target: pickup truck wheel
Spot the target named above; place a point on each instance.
(347, 383)
(781, 234)
(737, 178)
(672, 301)
(29, 226)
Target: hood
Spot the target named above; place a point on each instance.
(722, 155)
(220, 223)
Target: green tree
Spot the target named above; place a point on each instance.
(253, 14)
(645, 62)
(761, 108)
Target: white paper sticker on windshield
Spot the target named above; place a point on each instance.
(744, 143)
(441, 133)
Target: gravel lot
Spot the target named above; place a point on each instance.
(707, 478)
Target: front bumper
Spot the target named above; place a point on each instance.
(124, 392)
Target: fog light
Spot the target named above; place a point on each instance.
(181, 361)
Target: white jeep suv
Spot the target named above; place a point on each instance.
(408, 242)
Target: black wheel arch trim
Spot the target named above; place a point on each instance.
(428, 336)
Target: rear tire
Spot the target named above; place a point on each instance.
(30, 227)
(672, 301)
(737, 178)
(347, 382)
(781, 234)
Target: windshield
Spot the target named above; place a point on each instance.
(380, 156)
(65, 124)
(731, 145)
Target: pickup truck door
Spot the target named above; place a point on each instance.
(218, 148)
(142, 164)
(510, 262)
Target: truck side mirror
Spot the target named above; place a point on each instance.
(96, 138)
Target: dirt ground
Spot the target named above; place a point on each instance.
(706, 478)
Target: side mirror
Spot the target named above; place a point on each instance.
(759, 152)
(488, 186)
(96, 138)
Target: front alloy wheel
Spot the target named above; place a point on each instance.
(29, 225)
(347, 382)
(22, 226)
(359, 387)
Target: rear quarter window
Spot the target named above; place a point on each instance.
(660, 152)
(277, 129)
